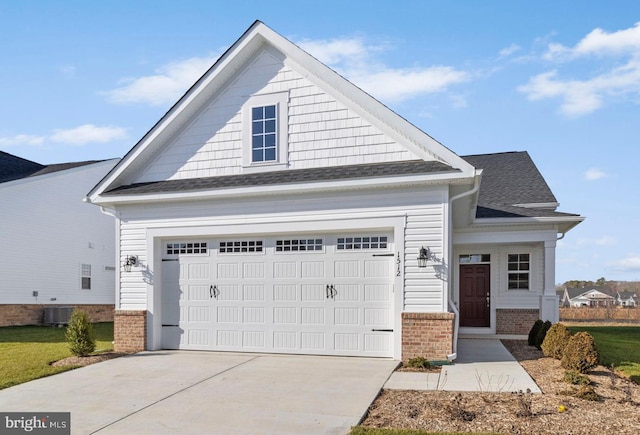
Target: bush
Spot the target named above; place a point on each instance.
(580, 353)
(555, 341)
(586, 392)
(79, 334)
(419, 362)
(533, 333)
(574, 378)
(542, 333)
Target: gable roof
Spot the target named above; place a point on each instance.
(512, 186)
(16, 168)
(599, 292)
(233, 60)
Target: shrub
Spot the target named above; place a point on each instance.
(575, 378)
(419, 362)
(580, 353)
(555, 341)
(542, 333)
(79, 334)
(534, 332)
(586, 392)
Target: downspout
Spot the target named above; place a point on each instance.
(452, 305)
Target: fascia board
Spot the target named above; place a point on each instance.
(544, 205)
(565, 223)
(294, 188)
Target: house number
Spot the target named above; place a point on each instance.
(398, 262)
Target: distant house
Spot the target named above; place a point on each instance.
(626, 299)
(56, 249)
(595, 296)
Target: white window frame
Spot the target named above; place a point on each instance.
(280, 100)
(528, 272)
(85, 273)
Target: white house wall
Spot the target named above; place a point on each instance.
(321, 130)
(419, 211)
(47, 232)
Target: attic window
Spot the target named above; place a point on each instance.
(264, 130)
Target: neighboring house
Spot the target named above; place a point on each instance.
(56, 249)
(595, 296)
(563, 300)
(626, 299)
(276, 207)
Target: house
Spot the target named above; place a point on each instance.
(56, 250)
(276, 207)
(594, 296)
(626, 299)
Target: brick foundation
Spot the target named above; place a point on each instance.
(515, 321)
(429, 335)
(130, 330)
(33, 314)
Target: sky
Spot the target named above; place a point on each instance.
(86, 80)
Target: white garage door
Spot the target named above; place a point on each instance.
(327, 295)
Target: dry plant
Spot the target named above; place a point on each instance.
(502, 383)
(458, 411)
(524, 401)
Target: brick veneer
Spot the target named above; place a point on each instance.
(130, 330)
(429, 335)
(33, 314)
(515, 321)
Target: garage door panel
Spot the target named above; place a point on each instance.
(228, 293)
(377, 343)
(346, 342)
(377, 292)
(198, 292)
(199, 271)
(228, 314)
(228, 338)
(253, 292)
(312, 269)
(376, 269)
(346, 269)
(285, 315)
(376, 317)
(253, 270)
(313, 315)
(285, 270)
(346, 316)
(285, 292)
(312, 341)
(253, 339)
(286, 341)
(347, 292)
(253, 315)
(228, 271)
(313, 292)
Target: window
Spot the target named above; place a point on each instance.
(239, 246)
(362, 242)
(264, 131)
(186, 248)
(297, 245)
(475, 258)
(263, 134)
(518, 267)
(85, 277)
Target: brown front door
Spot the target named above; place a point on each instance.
(475, 295)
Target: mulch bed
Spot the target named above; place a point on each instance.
(79, 361)
(616, 412)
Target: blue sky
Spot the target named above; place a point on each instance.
(561, 80)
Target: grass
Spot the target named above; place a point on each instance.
(617, 345)
(27, 351)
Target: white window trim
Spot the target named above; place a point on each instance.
(530, 272)
(281, 101)
(84, 275)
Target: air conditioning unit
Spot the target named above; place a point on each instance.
(57, 315)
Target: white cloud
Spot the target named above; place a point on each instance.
(594, 174)
(618, 80)
(22, 139)
(81, 135)
(629, 264)
(508, 51)
(357, 61)
(87, 133)
(168, 83)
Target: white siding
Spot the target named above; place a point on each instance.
(47, 232)
(322, 131)
(422, 210)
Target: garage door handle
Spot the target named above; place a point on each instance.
(328, 291)
(331, 291)
(214, 292)
(382, 330)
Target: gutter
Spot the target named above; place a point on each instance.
(452, 305)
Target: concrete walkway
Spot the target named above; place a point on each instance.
(482, 365)
(207, 392)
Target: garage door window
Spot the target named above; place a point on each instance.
(187, 248)
(240, 246)
(362, 242)
(298, 245)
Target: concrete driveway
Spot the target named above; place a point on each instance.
(208, 392)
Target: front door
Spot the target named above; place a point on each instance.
(475, 295)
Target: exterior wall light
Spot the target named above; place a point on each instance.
(423, 257)
(130, 260)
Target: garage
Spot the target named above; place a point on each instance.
(328, 294)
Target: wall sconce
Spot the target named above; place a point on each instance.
(130, 260)
(423, 257)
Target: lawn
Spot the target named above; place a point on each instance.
(27, 351)
(618, 345)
